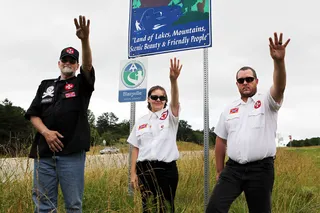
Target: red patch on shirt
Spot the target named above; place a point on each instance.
(234, 110)
(70, 94)
(164, 115)
(68, 86)
(257, 105)
(142, 126)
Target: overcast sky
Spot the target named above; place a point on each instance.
(34, 32)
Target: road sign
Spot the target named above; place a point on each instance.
(161, 26)
(133, 81)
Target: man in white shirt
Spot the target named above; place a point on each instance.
(248, 128)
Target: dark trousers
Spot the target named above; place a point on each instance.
(255, 179)
(158, 183)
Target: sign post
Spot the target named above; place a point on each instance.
(206, 126)
(132, 88)
(163, 26)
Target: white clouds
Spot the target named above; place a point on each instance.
(34, 32)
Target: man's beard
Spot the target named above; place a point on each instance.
(67, 71)
(248, 95)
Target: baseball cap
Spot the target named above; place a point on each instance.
(70, 51)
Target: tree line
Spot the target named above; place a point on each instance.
(17, 133)
(305, 142)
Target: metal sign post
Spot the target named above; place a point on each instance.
(132, 121)
(206, 126)
(132, 88)
(163, 26)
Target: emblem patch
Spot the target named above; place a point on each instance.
(70, 94)
(68, 86)
(234, 110)
(164, 115)
(49, 92)
(46, 100)
(257, 105)
(142, 126)
(70, 51)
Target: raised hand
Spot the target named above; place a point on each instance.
(83, 27)
(277, 49)
(175, 69)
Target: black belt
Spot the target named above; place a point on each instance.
(267, 159)
(156, 163)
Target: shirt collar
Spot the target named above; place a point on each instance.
(158, 113)
(254, 98)
(59, 79)
(236, 103)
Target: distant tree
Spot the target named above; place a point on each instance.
(95, 136)
(305, 142)
(197, 137)
(106, 122)
(123, 128)
(184, 131)
(110, 138)
(212, 136)
(16, 133)
(91, 118)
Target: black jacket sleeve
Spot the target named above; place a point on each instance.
(87, 84)
(35, 107)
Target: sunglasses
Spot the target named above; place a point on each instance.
(70, 60)
(247, 79)
(155, 97)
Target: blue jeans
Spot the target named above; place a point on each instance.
(49, 172)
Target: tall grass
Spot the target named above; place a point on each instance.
(296, 189)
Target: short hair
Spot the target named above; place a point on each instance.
(247, 68)
(156, 88)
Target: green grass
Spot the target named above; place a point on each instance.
(312, 152)
(296, 189)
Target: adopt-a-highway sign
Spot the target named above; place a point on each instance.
(133, 80)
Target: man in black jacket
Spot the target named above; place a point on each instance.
(59, 113)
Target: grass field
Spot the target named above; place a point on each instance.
(312, 152)
(296, 189)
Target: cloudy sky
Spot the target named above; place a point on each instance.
(34, 32)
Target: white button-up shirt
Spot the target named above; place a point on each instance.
(155, 135)
(250, 128)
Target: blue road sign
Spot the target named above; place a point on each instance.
(161, 26)
(133, 82)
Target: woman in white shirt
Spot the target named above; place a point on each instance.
(153, 138)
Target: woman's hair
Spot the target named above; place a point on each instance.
(156, 88)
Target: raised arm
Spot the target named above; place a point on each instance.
(277, 52)
(175, 69)
(83, 30)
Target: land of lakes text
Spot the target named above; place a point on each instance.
(185, 40)
(163, 35)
